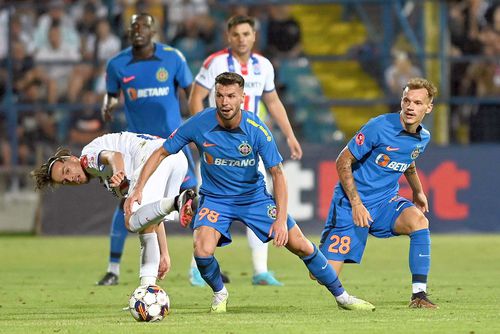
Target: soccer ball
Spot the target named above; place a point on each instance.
(149, 303)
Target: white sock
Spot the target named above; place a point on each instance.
(419, 287)
(149, 214)
(222, 292)
(343, 298)
(114, 267)
(259, 252)
(150, 258)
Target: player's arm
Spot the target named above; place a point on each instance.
(149, 167)
(279, 227)
(196, 97)
(164, 267)
(108, 104)
(277, 110)
(360, 214)
(419, 197)
(115, 161)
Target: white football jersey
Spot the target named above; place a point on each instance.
(258, 74)
(136, 149)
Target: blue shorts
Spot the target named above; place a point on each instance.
(258, 212)
(341, 240)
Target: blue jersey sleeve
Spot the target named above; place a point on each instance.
(183, 75)
(112, 80)
(182, 136)
(266, 146)
(364, 140)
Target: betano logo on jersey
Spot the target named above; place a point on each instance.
(142, 93)
(210, 160)
(383, 160)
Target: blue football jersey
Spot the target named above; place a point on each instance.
(384, 151)
(229, 158)
(150, 88)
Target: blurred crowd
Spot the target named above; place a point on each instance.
(57, 52)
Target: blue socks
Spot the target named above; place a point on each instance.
(210, 271)
(117, 235)
(323, 272)
(420, 255)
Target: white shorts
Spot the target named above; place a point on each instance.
(164, 182)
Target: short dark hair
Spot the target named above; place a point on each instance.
(230, 78)
(240, 19)
(417, 83)
(135, 16)
(42, 174)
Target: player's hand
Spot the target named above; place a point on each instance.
(107, 113)
(280, 231)
(117, 178)
(135, 196)
(295, 149)
(420, 201)
(361, 216)
(164, 266)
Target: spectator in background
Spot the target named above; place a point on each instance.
(56, 59)
(482, 79)
(396, 77)
(57, 15)
(180, 11)
(86, 124)
(283, 34)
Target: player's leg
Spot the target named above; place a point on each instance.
(154, 207)
(211, 228)
(413, 223)
(318, 266)
(205, 242)
(118, 235)
(259, 251)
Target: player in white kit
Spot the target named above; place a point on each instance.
(116, 160)
(258, 73)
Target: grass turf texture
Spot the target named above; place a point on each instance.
(47, 286)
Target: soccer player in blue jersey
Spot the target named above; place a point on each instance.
(149, 75)
(366, 199)
(231, 142)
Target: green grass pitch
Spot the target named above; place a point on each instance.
(47, 286)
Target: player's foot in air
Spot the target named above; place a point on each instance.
(420, 300)
(219, 301)
(195, 278)
(108, 279)
(266, 278)
(183, 204)
(352, 303)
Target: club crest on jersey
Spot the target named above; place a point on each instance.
(360, 139)
(271, 211)
(161, 74)
(245, 148)
(415, 153)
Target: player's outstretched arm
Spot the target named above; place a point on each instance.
(360, 214)
(277, 110)
(196, 98)
(419, 197)
(279, 227)
(149, 167)
(109, 103)
(115, 161)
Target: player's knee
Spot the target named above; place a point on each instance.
(202, 248)
(300, 245)
(420, 223)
